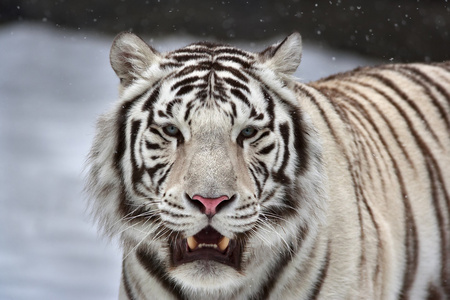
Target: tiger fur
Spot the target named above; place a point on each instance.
(226, 179)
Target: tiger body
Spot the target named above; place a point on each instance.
(226, 179)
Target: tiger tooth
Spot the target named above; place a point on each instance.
(223, 244)
(192, 242)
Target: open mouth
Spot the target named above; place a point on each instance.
(208, 244)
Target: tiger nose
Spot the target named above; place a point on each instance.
(210, 206)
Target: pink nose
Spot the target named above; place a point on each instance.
(210, 204)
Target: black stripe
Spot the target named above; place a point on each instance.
(426, 86)
(365, 113)
(257, 183)
(259, 116)
(412, 234)
(191, 69)
(302, 233)
(270, 108)
(369, 149)
(184, 58)
(157, 269)
(236, 84)
(152, 146)
(170, 106)
(245, 64)
(153, 170)
(164, 176)
(197, 48)
(168, 65)
(264, 172)
(188, 110)
(411, 239)
(299, 134)
(315, 102)
(235, 72)
(233, 108)
(253, 113)
(274, 274)
(288, 206)
(121, 145)
(238, 94)
(268, 196)
(121, 124)
(280, 175)
(359, 184)
(263, 135)
(436, 186)
(435, 293)
(148, 105)
(232, 50)
(381, 114)
(186, 81)
(394, 87)
(184, 90)
(162, 114)
(126, 283)
(342, 115)
(300, 145)
(156, 132)
(432, 166)
(136, 171)
(174, 215)
(266, 150)
(318, 283)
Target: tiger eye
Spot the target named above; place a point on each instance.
(171, 130)
(248, 132)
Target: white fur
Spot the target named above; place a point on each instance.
(331, 208)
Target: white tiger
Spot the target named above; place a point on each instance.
(226, 179)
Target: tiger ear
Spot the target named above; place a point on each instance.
(130, 57)
(284, 57)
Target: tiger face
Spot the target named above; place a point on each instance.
(207, 163)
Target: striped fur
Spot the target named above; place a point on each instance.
(338, 189)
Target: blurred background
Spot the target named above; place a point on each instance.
(55, 79)
(403, 30)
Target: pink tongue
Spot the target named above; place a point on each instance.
(210, 204)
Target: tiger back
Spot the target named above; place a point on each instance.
(224, 178)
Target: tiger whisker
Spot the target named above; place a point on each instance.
(162, 231)
(277, 217)
(137, 245)
(263, 239)
(129, 227)
(272, 229)
(148, 214)
(124, 217)
(144, 214)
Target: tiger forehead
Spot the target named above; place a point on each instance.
(212, 53)
(212, 70)
(204, 94)
(206, 77)
(210, 123)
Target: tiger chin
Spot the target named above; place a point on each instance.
(224, 178)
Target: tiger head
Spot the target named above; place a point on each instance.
(207, 163)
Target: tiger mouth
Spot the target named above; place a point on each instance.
(209, 245)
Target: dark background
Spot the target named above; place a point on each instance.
(414, 30)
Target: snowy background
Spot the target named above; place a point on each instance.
(53, 84)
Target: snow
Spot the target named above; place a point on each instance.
(53, 84)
